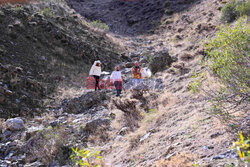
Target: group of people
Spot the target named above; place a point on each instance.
(116, 76)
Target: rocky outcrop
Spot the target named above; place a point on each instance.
(85, 102)
(161, 61)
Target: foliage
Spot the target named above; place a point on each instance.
(48, 12)
(99, 24)
(86, 158)
(228, 58)
(234, 9)
(199, 78)
(242, 146)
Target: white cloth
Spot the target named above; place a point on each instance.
(116, 76)
(146, 73)
(95, 70)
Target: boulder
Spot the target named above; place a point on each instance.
(15, 124)
(161, 61)
(85, 102)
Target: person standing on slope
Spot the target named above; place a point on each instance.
(136, 70)
(137, 74)
(116, 77)
(96, 72)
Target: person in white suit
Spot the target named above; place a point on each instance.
(96, 72)
(116, 77)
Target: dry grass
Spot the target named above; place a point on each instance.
(131, 111)
(14, 1)
(69, 93)
(49, 144)
(179, 160)
(2, 125)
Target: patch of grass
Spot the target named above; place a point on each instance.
(196, 84)
(48, 12)
(99, 24)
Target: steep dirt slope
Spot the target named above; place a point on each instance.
(42, 45)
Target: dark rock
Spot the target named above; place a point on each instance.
(123, 131)
(85, 102)
(160, 61)
(214, 135)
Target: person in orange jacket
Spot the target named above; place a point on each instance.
(137, 74)
(137, 70)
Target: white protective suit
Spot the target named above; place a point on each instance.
(95, 70)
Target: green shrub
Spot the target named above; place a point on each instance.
(99, 24)
(242, 147)
(86, 158)
(228, 58)
(234, 9)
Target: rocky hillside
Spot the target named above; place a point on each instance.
(46, 45)
(42, 45)
(130, 17)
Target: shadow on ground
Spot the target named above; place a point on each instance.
(130, 17)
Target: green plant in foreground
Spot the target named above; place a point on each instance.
(86, 158)
(242, 146)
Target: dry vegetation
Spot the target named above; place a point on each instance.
(14, 1)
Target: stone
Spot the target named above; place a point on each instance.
(214, 135)
(123, 131)
(129, 64)
(160, 61)
(35, 164)
(84, 102)
(144, 137)
(15, 124)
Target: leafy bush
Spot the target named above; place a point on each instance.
(234, 9)
(99, 24)
(86, 158)
(242, 146)
(228, 58)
